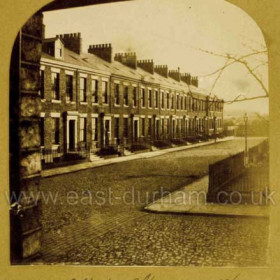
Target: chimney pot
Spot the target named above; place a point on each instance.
(147, 65)
(128, 58)
(103, 51)
(175, 74)
(162, 70)
(72, 41)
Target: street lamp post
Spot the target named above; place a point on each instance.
(246, 140)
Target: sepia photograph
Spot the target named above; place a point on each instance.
(140, 136)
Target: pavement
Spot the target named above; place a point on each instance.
(191, 199)
(102, 162)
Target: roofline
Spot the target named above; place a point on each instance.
(54, 62)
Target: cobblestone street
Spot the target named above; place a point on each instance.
(113, 230)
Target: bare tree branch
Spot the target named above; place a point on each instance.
(226, 55)
(261, 117)
(260, 45)
(259, 65)
(232, 62)
(231, 59)
(253, 74)
(219, 76)
(245, 98)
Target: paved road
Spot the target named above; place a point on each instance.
(103, 224)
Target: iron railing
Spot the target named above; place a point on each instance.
(226, 171)
(51, 155)
(83, 149)
(58, 153)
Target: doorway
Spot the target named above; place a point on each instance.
(72, 135)
(157, 124)
(173, 128)
(135, 129)
(107, 131)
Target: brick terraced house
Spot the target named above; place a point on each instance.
(96, 105)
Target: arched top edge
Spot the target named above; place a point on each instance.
(62, 4)
(251, 8)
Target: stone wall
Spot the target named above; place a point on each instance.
(25, 107)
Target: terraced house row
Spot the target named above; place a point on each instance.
(100, 103)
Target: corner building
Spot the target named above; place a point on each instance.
(95, 101)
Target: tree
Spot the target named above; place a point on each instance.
(230, 60)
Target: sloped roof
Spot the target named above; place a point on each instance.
(118, 69)
(49, 40)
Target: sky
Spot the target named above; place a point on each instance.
(174, 32)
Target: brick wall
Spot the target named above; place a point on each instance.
(110, 109)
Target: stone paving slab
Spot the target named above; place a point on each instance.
(191, 199)
(102, 162)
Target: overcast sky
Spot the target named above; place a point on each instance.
(171, 32)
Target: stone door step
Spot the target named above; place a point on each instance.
(94, 158)
(127, 152)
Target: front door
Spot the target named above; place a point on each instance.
(157, 129)
(71, 135)
(162, 128)
(173, 128)
(135, 130)
(107, 132)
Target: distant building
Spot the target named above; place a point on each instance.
(92, 101)
(231, 130)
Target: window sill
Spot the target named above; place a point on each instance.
(83, 103)
(117, 105)
(126, 106)
(43, 100)
(95, 103)
(70, 102)
(56, 101)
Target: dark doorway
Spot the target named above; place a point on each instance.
(71, 135)
(135, 134)
(157, 129)
(173, 129)
(107, 132)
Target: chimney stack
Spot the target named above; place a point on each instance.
(147, 65)
(72, 41)
(175, 74)
(104, 51)
(129, 59)
(162, 70)
(186, 77)
(194, 81)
